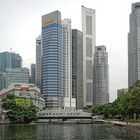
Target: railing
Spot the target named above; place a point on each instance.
(63, 114)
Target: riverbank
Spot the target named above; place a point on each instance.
(122, 123)
(4, 121)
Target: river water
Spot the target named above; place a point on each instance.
(68, 132)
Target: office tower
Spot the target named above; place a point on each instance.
(88, 29)
(77, 67)
(5, 61)
(16, 60)
(134, 45)
(33, 71)
(52, 60)
(38, 61)
(12, 76)
(67, 62)
(9, 60)
(100, 76)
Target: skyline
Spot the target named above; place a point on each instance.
(21, 24)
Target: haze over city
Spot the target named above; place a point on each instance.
(21, 24)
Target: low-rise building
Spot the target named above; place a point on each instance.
(26, 91)
(120, 92)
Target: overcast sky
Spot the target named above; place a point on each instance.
(20, 24)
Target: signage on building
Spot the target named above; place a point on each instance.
(47, 21)
(24, 89)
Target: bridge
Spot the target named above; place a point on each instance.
(63, 115)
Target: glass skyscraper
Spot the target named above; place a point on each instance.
(5, 61)
(10, 60)
(16, 61)
(52, 60)
(134, 45)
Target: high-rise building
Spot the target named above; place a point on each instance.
(52, 60)
(88, 29)
(77, 67)
(16, 60)
(12, 76)
(100, 76)
(33, 72)
(10, 60)
(134, 45)
(5, 61)
(38, 61)
(67, 62)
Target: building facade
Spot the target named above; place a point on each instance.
(12, 76)
(26, 91)
(10, 60)
(16, 61)
(33, 73)
(100, 76)
(122, 91)
(77, 67)
(67, 62)
(52, 60)
(88, 29)
(38, 61)
(5, 61)
(134, 45)
(2, 81)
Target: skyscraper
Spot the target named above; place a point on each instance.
(67, 62)
(77, 67)
(38, 61)
(5, 61)
(16, 60)
(134, 45)
(52, 60)
(88, 29)
(100, 76)
(10, 60)
(33, 73)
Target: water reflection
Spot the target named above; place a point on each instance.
(68, 132)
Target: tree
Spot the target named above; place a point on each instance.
(126, 105)
(19, 110)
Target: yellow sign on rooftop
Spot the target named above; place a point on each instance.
(47, 21)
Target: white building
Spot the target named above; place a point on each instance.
(27, 91)
(88, 29)
(67, 64)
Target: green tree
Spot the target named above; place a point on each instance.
(126, 105)
(19, 110)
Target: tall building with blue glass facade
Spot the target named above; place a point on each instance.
(5, 61)
(52, 60)
(16, 60)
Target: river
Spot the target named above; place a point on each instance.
(68, 132)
